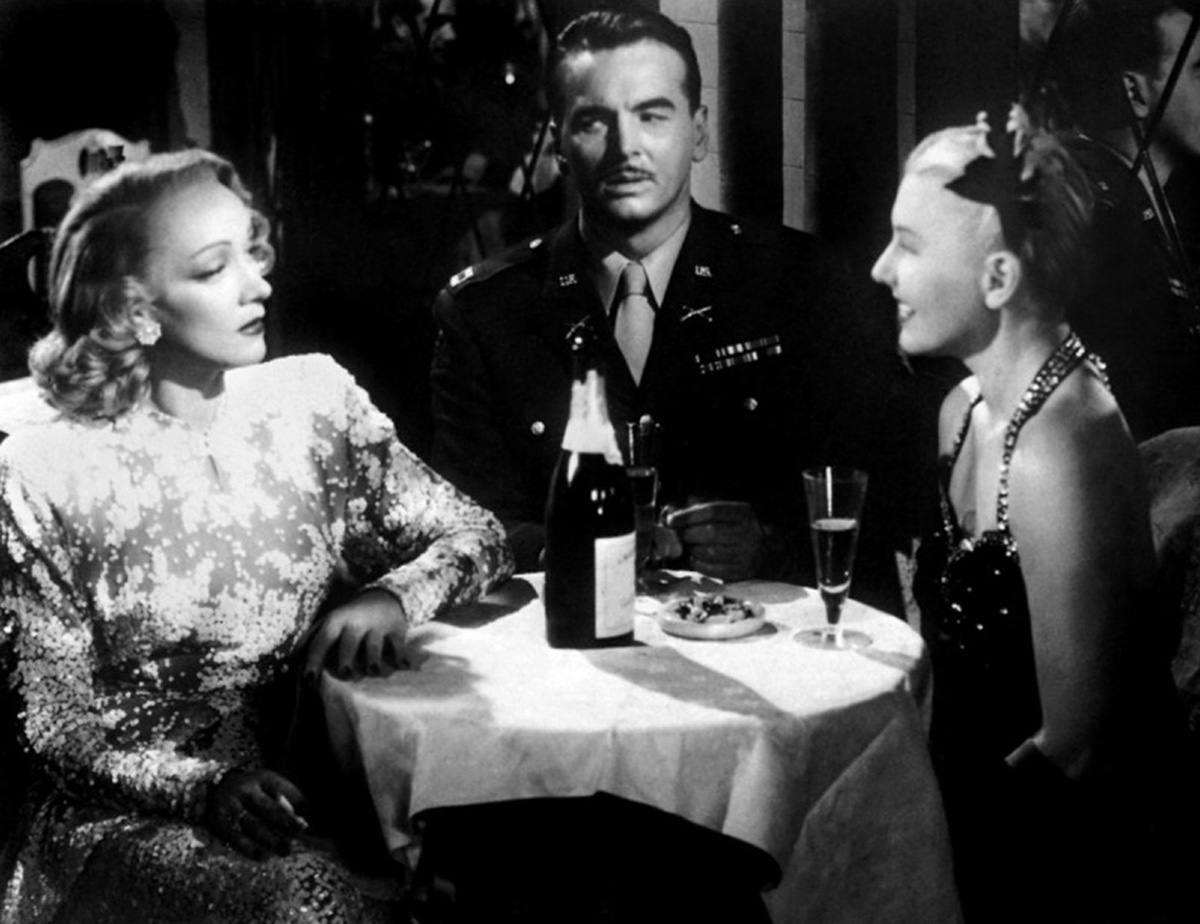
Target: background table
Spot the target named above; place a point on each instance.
(818, 758)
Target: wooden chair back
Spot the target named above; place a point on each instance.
(56, 168)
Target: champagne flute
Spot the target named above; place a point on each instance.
(642, 469)
(835, 501)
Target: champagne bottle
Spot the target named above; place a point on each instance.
(590, 536)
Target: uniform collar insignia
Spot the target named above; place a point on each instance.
(568, 279)
(689, 313)
(704, 271)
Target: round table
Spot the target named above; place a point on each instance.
(815, 757)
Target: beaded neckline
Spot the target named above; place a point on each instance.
(1061, 363)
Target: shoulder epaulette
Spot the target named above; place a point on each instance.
(485, 270)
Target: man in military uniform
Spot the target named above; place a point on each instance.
(751, 358)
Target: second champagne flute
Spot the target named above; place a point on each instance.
(642, 468)
(835, 500)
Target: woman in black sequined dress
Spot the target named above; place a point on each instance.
(1053, 716)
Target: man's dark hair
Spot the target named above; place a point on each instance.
(1130, 34)
(605, 30)
(1102, 39)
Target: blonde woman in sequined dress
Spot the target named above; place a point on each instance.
(165, 545)
(1054, 724)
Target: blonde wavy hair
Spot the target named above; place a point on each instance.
(91, 366)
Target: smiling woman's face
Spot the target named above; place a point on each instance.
(206, 279)
(934, 266)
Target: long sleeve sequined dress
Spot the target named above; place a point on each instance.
(155, 579)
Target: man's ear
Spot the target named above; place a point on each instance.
(1001, 278)
(700, 126)
(1140, 91)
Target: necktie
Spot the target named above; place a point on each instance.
(633, 326)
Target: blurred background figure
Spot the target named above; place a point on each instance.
(1124, 77)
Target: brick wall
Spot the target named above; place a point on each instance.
(708, 22)
(699, 17)
(794, 35)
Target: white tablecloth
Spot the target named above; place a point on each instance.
(816, 757)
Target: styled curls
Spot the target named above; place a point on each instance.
(91, 365)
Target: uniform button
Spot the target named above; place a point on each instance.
(537, 428)
(750, 404)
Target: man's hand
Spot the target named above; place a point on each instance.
(723, 538)
(364, 636)
(257, 812)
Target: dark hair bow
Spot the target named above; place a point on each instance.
(1002, 176)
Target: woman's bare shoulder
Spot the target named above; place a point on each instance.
(1076, 461)
(955, 407)
(1080, 425)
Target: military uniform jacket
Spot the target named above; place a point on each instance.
(750, 332)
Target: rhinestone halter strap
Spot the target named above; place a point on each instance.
(1060, 364)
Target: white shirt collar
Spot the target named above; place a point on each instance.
(607, 263)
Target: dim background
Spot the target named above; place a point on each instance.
(385, 138)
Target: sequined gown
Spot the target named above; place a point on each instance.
(975, 617)
(154, 580)
(1073, 845)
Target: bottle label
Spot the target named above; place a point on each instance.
(615, 575)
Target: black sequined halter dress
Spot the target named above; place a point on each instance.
(974, 609)
(1094, 850)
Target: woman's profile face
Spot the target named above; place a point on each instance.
(206, 278)
(934, 266)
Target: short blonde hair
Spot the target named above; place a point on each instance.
(91, 365)
(1041, 195)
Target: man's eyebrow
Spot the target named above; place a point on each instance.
(588, 111)
(658, 102)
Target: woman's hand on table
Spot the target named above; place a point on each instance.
(256, 812)
(362, 637)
